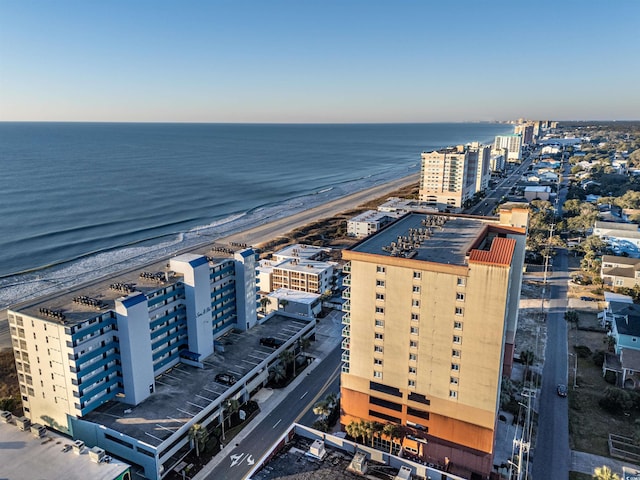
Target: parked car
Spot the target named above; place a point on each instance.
(589, 299)
(562, 390)
(271, 342)
(225, 378)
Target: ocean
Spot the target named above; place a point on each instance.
(81, 200)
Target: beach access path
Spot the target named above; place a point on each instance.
(270, 230)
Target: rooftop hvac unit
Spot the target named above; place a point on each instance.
(97, 454)
(316, 450)
(23, 423)
(78, 447)
(359, 464)
(38, 430)
(6, 416)
(403, 474)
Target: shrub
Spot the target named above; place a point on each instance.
(610, 377)
(616, 400)
(582, 351)
(598, 358)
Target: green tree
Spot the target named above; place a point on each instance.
(571, 316)
(198, 436)
(353, 429)
(527, 357)
(287, 357)
(376, 430)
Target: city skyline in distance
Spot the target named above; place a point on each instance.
(317, 62)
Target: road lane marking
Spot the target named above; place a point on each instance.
(277, 423)
(304, 395)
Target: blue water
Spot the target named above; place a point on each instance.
(80, 197)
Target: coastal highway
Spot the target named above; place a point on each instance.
(237, 463)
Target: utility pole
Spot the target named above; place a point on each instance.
(546, 266)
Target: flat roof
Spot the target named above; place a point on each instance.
(294, 295)
(303, 265)
(372, 216)
(183, 391)
(448, 243)
(301, 250)
(25, 457)
(157, 275)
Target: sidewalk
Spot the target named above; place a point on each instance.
(328, 335)
(587, 463)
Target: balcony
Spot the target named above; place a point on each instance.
(346, 343)
(347, 267)
(345, 357)
(346, 306)
(346, 281)
(345, 368)
(346, 332)
(346, 294)
(346, 319)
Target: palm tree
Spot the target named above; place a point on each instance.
(264, 301)
(353, 429)
(198, 435)
(287, 357)
(363, 431)
(283, 304)
(277, 373)
(604, 473)
(232, 406)
(392, 431)
(303, 343)
(322, 408)
(376, 429)
(332, 399)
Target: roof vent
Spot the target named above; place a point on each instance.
(23, 423)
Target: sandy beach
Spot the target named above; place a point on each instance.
(263, 233)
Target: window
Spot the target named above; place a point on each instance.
(412, 384)
(455, 367)
(412, 370)
(379, 336)
(415, 302)
(379, 309)
(377, 349)
(377, 374)
(459, 311)
(461, 281)
(379, 296)
(377, 361)
(414, 330)
(380, 269)
(453, 394)
(457, 325)
(455, 353)
(379, 283)
(413, 357)
(413, 344)
(417, 275)
(379, 323)
(416, 289)
(460, 296)
(453, 380)
(457, 339)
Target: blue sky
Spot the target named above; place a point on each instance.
(318, 61)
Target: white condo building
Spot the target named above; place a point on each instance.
(513, 144)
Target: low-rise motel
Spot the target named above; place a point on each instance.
(429, 328)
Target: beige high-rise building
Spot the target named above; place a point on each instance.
(447, 178)
(429, 330)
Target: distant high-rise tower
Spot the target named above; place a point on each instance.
(513, 143)
(450, 176)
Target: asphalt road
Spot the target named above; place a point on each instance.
(299, 401)
(552, 454)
